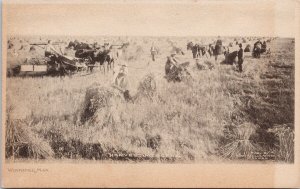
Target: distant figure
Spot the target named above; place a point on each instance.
(240, 58)
(211, 50)
(106, 47)
(218, 48)
(153, 52)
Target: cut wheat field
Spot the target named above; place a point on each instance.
(218, 115)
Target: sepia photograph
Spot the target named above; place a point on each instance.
(147, 83)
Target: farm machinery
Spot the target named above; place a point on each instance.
(53, 65)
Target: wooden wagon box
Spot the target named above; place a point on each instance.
(34, 68)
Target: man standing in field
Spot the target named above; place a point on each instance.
(240, 58)
(153, 52)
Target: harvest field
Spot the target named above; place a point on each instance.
(218, 115)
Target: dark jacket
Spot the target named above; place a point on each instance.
(240, 55)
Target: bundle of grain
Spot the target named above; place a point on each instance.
(21, 142)
(247, 48)
(206, 65)
(200, 66)
(177, 73)
(147, 87)
(98, 104)
(240, 146)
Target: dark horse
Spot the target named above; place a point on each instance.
(230, 57)
(77, 45)
(104, 56)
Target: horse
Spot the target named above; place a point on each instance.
(77, 45)
(103, 56)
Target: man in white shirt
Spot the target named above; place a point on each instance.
(50, 50)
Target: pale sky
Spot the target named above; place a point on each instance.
(159, 18)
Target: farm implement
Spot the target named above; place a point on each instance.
(53, 64)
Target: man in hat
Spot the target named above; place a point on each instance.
(240, 58)
(120, 77)
(171, 63)
(120, 80)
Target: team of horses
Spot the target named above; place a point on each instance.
(105, 55)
